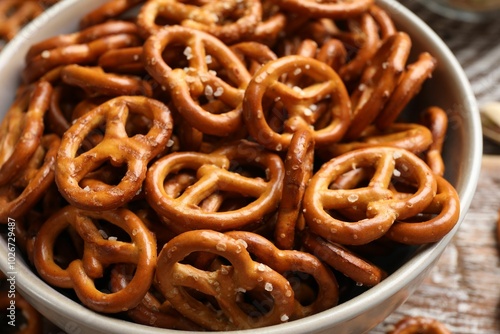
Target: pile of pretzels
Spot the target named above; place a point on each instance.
(223, 165)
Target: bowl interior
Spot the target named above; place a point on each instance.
(448, 89)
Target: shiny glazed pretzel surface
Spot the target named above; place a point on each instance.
(223, 165)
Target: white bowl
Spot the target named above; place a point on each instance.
(449, 89)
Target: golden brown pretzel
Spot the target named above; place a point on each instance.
(342, 259)
(22, 128)
(95, 82)
(14, 15)
(227, 284)
(300, 103)
(216, 173)
(111, 10)
(298, 171)
(81, 37)
(99, 253)
(126, 60)
(296, 263)
(419, 325)
(435, 221)
(413, 137)
(150, 310)
(332, 9)
(436, 120)
(375, 201)
(33, 180)
(378, 81)
(230, 21)
(188, 85)
(409, 85)
(116, 147)
(83, 47)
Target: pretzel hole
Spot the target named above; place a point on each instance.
(68, 247)
(107, 174)
(256, 303)
(305, 286)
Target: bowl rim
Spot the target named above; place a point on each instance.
(39, 292)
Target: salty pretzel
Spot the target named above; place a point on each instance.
(98, 254)
(413, 137)
(14, 14)
(116, 147)
(81, 37)
(150, 310)
(436, 220)
(376, 201)
(286, 261)
(253, 54)
(409, 85)
(298, 171)
(436, 120)
(215, 174)
(33, 180)
(332, 9)
(378, 81)
(110, 10)
(96, 82)
(75, 54)
(188, 85)
(126, 60)
(419, 325)
(299, 102)
(342, 259)
(22, 129)
(363, 37)
(230, 21)
(226, 284)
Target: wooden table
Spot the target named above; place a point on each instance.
(463, 290)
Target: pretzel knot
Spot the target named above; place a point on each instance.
(434, 222)
(322, 94)
(241, 170)
(115, 148)
(150, 311)
(297, 266)
(230, 21)
(209, 102)
(22, 129)
(419, 325)
(98, 254)
(227, 284)
(375, 207)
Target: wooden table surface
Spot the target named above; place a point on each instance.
(463, 289)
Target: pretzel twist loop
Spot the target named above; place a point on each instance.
(188, 85)
(297, 263)
(376, 203)
(134, 152)
(301, 103)
(226, 283)
(216, 173)
(98, 254)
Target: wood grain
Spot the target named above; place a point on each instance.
(463, 289)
